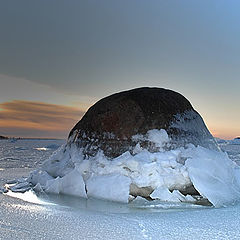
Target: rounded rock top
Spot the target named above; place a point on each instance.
(110, 124)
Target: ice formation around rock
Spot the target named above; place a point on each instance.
(166, 175)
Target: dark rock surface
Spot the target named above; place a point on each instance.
(111, 122)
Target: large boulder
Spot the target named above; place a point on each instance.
(112, 124)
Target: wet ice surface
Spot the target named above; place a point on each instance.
(63, 217)
(70, 218)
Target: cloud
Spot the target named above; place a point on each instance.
(21, 88)
(37, 119)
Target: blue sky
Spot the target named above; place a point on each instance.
(72, 53)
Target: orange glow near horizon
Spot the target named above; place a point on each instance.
(223, 131)
(38, 119)
(28, 118)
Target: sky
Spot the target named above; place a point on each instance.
(59, 57)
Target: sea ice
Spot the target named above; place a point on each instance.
(235, 141)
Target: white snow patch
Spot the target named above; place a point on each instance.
(159, 137)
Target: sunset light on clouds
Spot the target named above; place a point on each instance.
(60, 57)
(48, 120)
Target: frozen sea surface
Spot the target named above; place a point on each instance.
(26, 153)
(25, 216)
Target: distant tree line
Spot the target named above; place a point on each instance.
(3, 137)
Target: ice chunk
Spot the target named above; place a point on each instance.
(53, 186)
(109, 187)
(215, 176)
(20, 187)
(189, 198)
(38, 188)
(162, 193)
(39, 176)
(60, 163)
(139, 200)
(71, 184)
(179, 195)
(159, 137)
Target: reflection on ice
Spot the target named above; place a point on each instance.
(28, 196)
(139, 205)
(42, 149)
(97, 205)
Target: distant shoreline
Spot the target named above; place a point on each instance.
(25, 138)
(38, 138)
(3, 138)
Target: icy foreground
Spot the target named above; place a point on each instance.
(161, 175)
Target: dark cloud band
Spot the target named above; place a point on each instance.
(27, 117)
